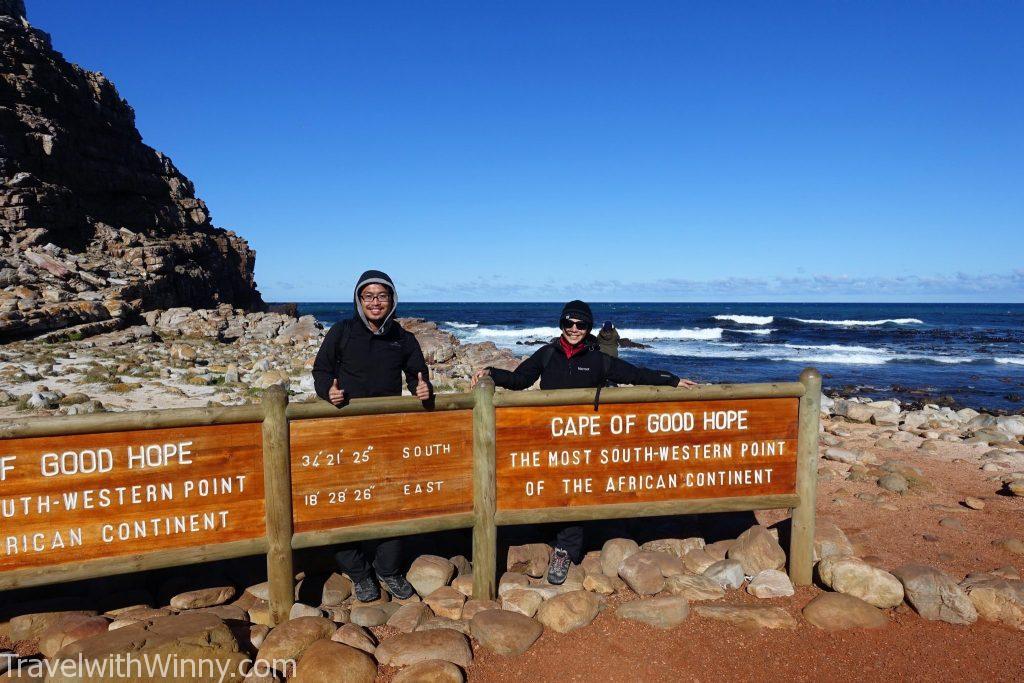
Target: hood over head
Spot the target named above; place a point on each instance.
(376, 277)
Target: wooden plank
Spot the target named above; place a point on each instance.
(801, 545)
(380, 406)
(714, 392)
(140, 562)
(485, 531)
(362, 532)
(277, 475)
(349, 471)
(567, 456)
(99, 423)
(630, 510)
(82, 497)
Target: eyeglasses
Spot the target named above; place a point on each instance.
(369, 298)
(578, 324)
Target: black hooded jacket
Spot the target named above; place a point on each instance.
(371, 362)
(588, 369)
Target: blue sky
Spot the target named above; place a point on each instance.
(729, 151)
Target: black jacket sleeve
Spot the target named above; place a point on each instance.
(523, 376)
(325, 367)
(414, 363)
(622, 372)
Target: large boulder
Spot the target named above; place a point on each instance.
(661, 612)
(204, 640)
(419, 646)
(756, 549)
(327, 660)
(569, 611)
(837, 611)
(935, 595)
(996, 599)
(507, 633)
(855, 577)
(289, 640)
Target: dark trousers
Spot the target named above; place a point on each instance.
(386, 554)
(570, 539)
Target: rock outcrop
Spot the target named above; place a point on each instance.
(95, 226)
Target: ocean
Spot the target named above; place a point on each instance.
(971, 353)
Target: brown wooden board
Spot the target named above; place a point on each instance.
(72, 498)
(348, 471)
(562, 456)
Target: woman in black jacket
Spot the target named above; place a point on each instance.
(574, 361)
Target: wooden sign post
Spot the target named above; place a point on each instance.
(96, 495)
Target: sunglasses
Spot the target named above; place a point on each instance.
(578, 324)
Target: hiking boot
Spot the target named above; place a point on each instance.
(398, 586)
(367, 589)
(558, 568)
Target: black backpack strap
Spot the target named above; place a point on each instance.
(346, 334)
(606, 369)
(545, 358)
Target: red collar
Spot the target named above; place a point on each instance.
(569, 350)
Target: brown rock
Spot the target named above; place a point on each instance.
(506, 633)
(430, 671)
(474, 607)
(642, 572)
(996, 599)
(696, 561)
(694, 588)
(429, 572)
(357, 637)
(837, 611)
(531, 559)
(525, 602)
(569, 611)
(408, 618)
(661, 612)
(935, 595)
(613, 553)
(327, 660)
(69, 631)
(290, 639)
(748, 617)
(410, 648)
(855, 577)
(185, 636)
(446, 602)
(337, 589)
(756, 549)
(30, 626)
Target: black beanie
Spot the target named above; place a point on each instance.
(578, 310)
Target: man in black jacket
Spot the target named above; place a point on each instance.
(361, 357)
(574, 361)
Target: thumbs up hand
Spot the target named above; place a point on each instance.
(336, 395)
(422, 388)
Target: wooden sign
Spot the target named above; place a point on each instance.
(644, 452)
(72, 498)
(348, 471)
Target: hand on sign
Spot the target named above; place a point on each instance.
(336, 395)
(686, 383)
(422, 388)
(479, 375)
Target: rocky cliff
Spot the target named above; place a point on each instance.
(95, 226)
